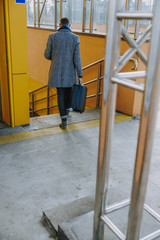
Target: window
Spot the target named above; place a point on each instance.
(85, 15)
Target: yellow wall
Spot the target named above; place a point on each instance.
(33, 84)
(92, 49)
(39, 66)
(4, 85)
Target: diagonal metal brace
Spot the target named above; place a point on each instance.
(130, 52)
(133, 44)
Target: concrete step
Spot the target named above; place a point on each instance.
(52, 219)
(74, 221)
(81, 227)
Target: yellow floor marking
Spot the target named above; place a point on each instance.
(16, 137)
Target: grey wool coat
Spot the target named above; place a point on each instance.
(63, 49)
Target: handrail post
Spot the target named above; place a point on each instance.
(32, 104)
(98, 84)
(47, 100)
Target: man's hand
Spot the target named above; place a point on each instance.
(80, 80)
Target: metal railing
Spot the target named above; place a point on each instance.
(48, 97)
(97, 95)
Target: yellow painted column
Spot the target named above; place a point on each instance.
(4, 84)
(17, 55)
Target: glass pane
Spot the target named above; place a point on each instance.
(77, 14)
(146, 6)
(132, 6)
(58, 14)
(47, 17)
(87, 15)
(30, 12)
(67, 9)
(99, 16)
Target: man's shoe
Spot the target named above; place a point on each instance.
(63, 125)
(69, 110)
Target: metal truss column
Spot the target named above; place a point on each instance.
(112, 77)
(107, 117)
(146, 132)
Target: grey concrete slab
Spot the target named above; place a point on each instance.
(40, 174)
(121, 173)
(2, 125)
(54, 119)
(6, 130)
(45, 173)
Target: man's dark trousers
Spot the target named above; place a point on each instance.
(64, 97)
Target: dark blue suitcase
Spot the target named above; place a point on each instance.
(79, 98)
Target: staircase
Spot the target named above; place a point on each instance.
(43, 101)
(48, 102)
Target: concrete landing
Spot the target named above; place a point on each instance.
(51, 120)
(50, 173)
(76, 224)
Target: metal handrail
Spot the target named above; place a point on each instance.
(38, 89)
(84, 68)
(97, 95)
(92, 64)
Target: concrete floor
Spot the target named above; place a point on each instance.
(43, 173)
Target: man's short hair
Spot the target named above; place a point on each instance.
(64, 21)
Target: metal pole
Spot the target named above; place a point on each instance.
(136, 31)
(38, 14)
(107, 117)
(32, 104)
(146, 133)
(98, 85)
(132, 75)
(55, 14)
(91, 18)
(84, 16)
(48, 101)
(129, 83)
(135, 15)
(34, 13)
(60, 9)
